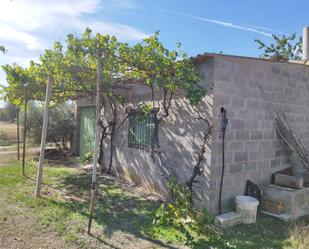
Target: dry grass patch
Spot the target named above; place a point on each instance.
(9, 129)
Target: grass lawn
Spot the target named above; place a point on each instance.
(123, 216)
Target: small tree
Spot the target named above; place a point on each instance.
(60, 125)
(285, 48)
(22, 87)
(8, 113)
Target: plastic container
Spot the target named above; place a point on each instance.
(246, 206)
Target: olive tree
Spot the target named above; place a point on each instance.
(284, 48)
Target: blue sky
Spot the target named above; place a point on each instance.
(27, 27)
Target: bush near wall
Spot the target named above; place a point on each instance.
(61, 124)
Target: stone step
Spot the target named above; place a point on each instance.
(228, 219)
(284, 216)
(272, 205)
(289, 181)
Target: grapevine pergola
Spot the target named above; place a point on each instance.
(95, 65)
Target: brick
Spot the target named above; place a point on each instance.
(256, 135)
(267, 154)
(251, 146)
(286, 73)
(237, 124)
(272, 205)
(237, 102)
(266, 145)
(236, 146)
(278, 153)
(222, 99)
(269, 135)
(241, 156)
(243, 114)
(235, 168)
(251, 166)
(240, 79)
(254, 155)
(275, 163)
(277, 144)
(275, 69)
(252, 124)
(259, 115)
(252, 103)
(242, 135)
(223, 77)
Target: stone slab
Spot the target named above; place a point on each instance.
(228, 219)
(289, 181)
(284, 216)
(272, 205)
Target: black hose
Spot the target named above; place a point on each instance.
(224, 121)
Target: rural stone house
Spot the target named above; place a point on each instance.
(253, 150)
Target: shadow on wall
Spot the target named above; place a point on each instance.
(180, 138)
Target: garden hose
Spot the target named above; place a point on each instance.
(224, 122)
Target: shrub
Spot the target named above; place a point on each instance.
(197, 227)
(8, 113)
(4, 141)
(87, 157)
(60, 124)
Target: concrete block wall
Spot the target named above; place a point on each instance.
(253, 149)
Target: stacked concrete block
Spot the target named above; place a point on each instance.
(257, 149)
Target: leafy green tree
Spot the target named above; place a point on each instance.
(157, 67)
(8, 113)
(284, 48)
(21, 84)
(60, 124)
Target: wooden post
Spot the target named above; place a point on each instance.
(43, 138)
(17, 121)
(24, 136)
(96, 144)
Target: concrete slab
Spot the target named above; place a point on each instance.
(228, 219)
(289, 181)
(284, 216)
(296, 201)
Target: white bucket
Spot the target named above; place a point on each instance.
(246, 206)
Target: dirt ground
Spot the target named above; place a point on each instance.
(18, 230)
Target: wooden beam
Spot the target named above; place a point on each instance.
(96, 144)
(24, 136)
(43, 138)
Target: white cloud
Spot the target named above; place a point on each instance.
(125, 4)
(35, 23)
(9, 33)
(249, 28)
(29, 26)
(121, 31)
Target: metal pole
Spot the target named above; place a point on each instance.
(223, 127)
(24, 137)
(96, 144)
(43, 138)
(306, 43)
(17, 121)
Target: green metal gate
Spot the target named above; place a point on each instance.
(87, 130)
